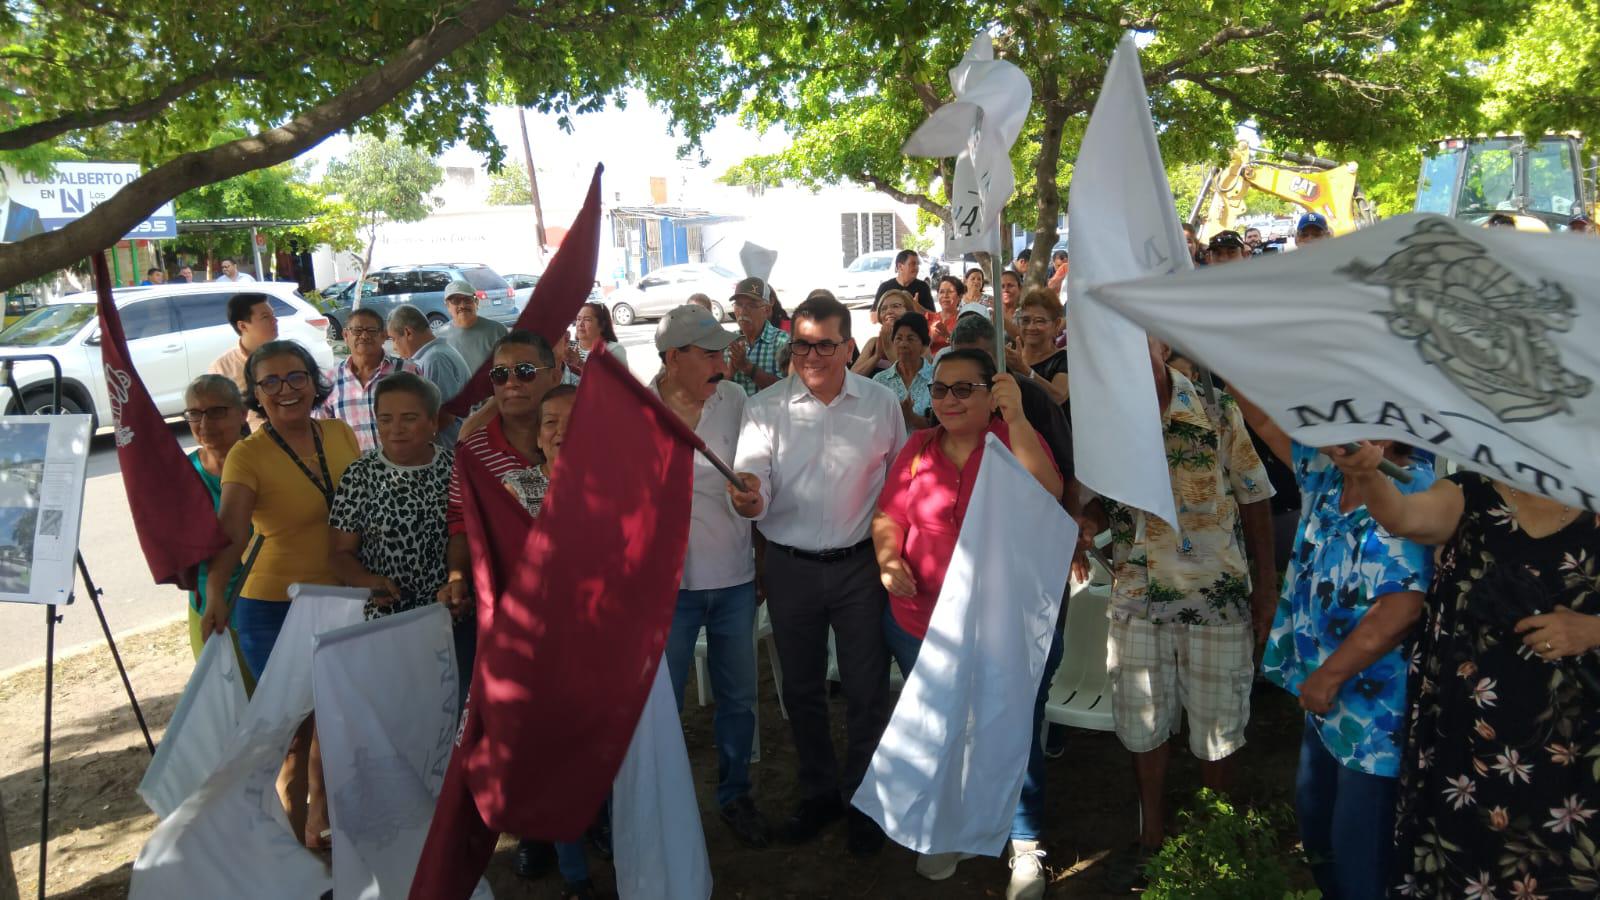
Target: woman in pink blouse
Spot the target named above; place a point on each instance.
(919, 517)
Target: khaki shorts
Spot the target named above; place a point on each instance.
(1158, 671)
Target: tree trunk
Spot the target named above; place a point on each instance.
(1044, 235)
(134, 202)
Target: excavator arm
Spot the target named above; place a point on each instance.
(1312, 183)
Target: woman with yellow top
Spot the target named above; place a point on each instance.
(280, 481)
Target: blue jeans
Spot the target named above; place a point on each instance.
(1346, 822)
(1028, 823)
(572, 861)
(729, 617)
(257, 623)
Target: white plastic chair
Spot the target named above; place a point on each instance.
(1080, 695)
(702, 672)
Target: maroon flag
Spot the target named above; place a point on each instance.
(555, 301)
(172, 510)
(574, 613)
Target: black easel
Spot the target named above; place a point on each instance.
(51, 617)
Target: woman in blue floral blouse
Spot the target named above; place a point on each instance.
(1352, 597)
(1500, 777)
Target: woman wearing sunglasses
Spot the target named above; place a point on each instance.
(919, 518)
(280, 482)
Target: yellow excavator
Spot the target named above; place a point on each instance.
(1312, 183)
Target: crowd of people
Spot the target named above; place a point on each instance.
(1440, 635)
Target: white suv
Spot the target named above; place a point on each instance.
(174, 333)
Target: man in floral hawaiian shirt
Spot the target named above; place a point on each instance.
(1184, 604)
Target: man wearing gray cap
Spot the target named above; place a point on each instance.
(718, 589)
(472, 336)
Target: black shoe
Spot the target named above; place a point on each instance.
(599, 835)
(534, 858)
(866, 838)
(578, 890)
(810, 817)
(1055, 741)
(1125, 871)
(748, 825)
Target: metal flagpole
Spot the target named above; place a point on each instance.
(998, 310)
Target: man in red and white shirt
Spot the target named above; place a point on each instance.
(351, 400)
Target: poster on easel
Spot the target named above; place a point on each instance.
(42, 463)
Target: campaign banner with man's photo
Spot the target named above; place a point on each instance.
(34, 204)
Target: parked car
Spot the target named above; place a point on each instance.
(423, 287)
(669, 287)
(521, 288)
(174, 333)
(861, 278)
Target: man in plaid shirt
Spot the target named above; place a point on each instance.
(753, 358)
(351, 399)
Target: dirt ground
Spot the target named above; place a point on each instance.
(98, 823)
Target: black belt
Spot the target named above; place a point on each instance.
(822, 556)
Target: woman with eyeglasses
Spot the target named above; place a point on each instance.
(877, 356)
(919, 516)
(1038, 359)
(281, 481)
(593, 326)
(215, 413)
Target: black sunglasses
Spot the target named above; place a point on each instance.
(961, 390)
(525, 372)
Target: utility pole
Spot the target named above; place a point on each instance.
(533, 183)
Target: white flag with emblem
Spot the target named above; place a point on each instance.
(231, 838)
(198, 733)
(387, 700)
(1123, 225)
(978, 129)
(948, 771)
(1480, 345)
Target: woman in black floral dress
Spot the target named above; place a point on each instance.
(1500, 780)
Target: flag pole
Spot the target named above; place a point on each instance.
(998, 310)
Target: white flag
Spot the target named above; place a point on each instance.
(386, 697)
(978, 128)
(199, 731)
(660, 849)
(948, 772)
(231, 838)
(1480, 345)
(758, 262)
(1123, 225)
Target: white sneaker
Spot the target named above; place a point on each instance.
(1028, 877)
(939, 866)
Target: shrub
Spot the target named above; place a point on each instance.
(1224, 853)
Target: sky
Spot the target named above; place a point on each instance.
(634, 143)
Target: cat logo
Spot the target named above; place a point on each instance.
(1478, 322)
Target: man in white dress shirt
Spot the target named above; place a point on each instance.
(813, 453)
(719, 573)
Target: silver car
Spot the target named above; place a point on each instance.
(669, 287)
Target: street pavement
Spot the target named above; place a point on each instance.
(111, 550)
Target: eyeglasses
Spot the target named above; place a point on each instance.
(804, 348)
(1033, 321)
(363, 332)
(961, 390)
(460, 300)
(525, 372)
(273, 384)
(214, 413)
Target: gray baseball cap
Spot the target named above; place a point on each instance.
(691, 324)
(459, 286)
